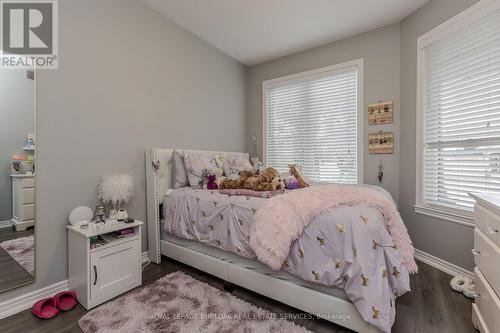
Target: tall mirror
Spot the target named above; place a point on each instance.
(17, 178)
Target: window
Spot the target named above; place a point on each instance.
(458, 133)
(313, 119)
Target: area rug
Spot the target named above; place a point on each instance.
(179, 303)
(22, 250)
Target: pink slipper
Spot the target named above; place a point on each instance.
(65, 300)
(45, 308)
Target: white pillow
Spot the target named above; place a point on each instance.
(197, 165)
(179, 170)
(232, 164)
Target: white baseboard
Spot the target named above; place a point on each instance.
(6, 224)
(441, 264)
(23, 302)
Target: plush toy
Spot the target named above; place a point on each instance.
(258, 167)
(463, 284)
(291, 183)
(297, 173)
(212, 182)
(268, 180)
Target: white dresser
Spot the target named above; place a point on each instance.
(98, 274)
(486, 309)
(23, 201)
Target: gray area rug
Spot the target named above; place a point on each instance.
(179, 303)
(22, 250)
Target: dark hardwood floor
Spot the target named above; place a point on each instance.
(10, 233)
(12, 275)
(431, 306)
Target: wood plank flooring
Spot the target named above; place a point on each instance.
(12, 275)
(431, 306)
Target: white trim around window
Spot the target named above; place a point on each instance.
(464, 19)
(308, 75)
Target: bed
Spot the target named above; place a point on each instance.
(208, 230)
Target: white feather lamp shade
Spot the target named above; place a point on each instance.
(116, 189)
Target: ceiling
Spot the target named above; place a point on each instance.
(254, 31)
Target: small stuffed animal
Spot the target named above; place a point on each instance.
(258, 167)
(212, 182)
(291, 182)
(297, 173)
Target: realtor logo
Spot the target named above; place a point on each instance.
(29, 34)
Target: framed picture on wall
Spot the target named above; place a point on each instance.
(381, 143)
(380, 113)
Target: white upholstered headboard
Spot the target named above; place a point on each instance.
(158, 181)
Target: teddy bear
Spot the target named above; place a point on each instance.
(268, 180)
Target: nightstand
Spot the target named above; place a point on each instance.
(98, 274)
(23, 201)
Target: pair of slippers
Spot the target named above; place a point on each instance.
(463, 284)
(49, 307)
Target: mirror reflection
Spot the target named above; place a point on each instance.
(17, 178)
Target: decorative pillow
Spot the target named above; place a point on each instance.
(233, 164)
(179, 170)
(198, 166)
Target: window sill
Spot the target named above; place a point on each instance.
(461, 219)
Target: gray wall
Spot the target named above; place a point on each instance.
(380, 50)
(16, 120)
(448, 241)
(127, 79)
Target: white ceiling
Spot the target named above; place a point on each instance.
(254, 31)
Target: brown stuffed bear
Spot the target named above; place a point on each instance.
(267, 180)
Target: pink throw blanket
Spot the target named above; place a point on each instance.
(283, 219)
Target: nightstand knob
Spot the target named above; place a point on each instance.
(474, 251)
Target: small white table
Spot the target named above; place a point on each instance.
(23, 201)
(98, 274)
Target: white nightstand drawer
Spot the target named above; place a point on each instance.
(487, 258)
(114, 267)
(487, 302)
(28, 182)
(27, 196)
(488, 222)
(27, 212)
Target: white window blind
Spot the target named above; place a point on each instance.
(312, 121)
(461, 100)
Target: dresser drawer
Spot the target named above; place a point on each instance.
(488, 222)
(27, 196)
(28, 183)
(487, 258)
(25, 212)
(478, 320)
(487, 302)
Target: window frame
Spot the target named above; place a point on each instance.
(463, 19)
(303, 76)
